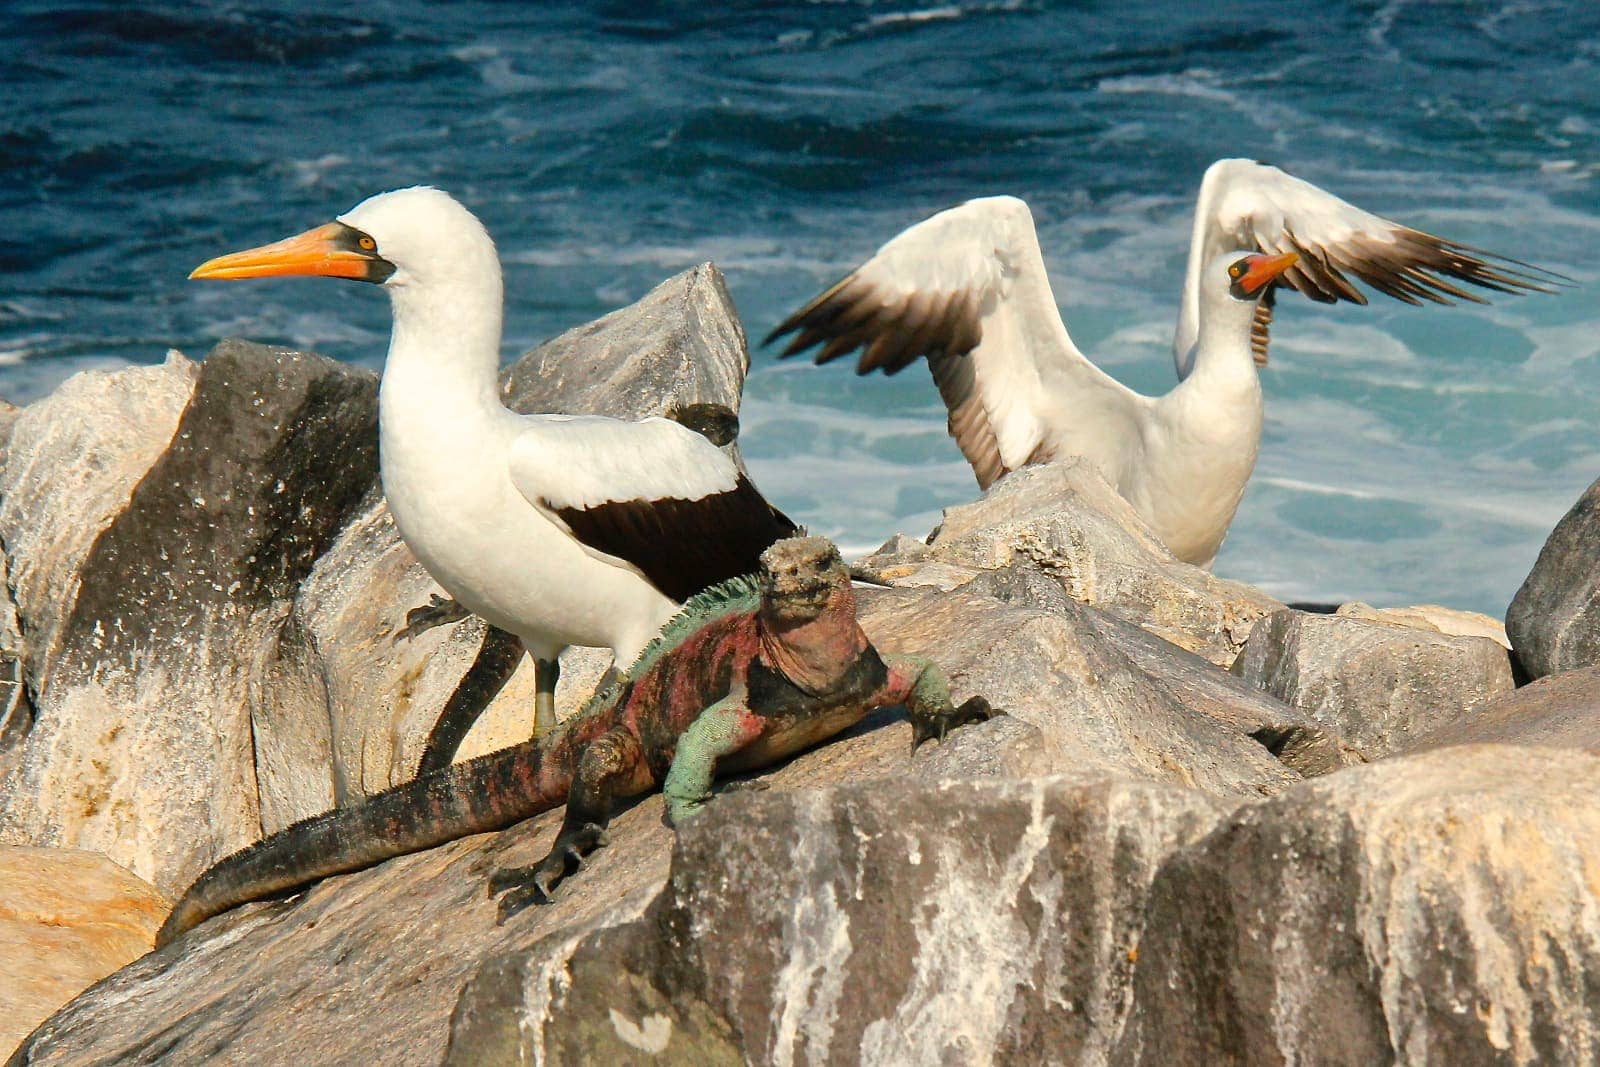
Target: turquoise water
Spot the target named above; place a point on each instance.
(1410, 455)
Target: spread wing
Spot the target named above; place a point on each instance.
(1251, 206)
(651, 494)
(967, 289)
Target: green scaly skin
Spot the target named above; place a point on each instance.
(748, 673)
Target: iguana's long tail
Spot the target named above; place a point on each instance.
(480, 795)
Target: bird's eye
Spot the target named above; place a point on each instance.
(367, 243)
(1237, 270)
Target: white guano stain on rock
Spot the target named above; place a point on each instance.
(956, 1005)
(551, 978)
(651, 1034)
(816, 939)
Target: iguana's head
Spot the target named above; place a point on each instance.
(799, 577)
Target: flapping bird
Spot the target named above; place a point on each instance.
(967, 288)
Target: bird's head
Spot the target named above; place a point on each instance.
(394, 239)
(1247, 276)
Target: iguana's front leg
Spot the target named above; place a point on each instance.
(438, 611)
(721, 730)
(612, 763)
(922, 686)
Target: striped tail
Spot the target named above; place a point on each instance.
(484, 794)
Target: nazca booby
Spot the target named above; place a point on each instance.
(558, 529)
(967, 288)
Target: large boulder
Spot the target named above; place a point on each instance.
(67, 919)
(158, 523)
(1438, 908)
(1554, 620)
(371, 965)
(1063, 519)
(1377, 685)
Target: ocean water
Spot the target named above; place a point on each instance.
(1410, 455)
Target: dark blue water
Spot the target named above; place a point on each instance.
(1410, 455)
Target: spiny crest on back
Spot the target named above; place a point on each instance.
(736, 595)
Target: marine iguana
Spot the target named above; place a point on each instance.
(749, 672)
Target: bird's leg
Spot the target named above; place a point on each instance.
(547, 672)
(438, 611)
(721, 730)
(609, 764)
(496, 661)
(925, 691)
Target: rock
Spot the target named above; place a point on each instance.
(374, 962)
(1063, 519)
(1558, 711)
(1438, 908)
(155, 562)
(1376, 685)
(967, 922)
(67, 919)
(1097, 712)
(1554, 620)
(1431, 617)
(679, 351)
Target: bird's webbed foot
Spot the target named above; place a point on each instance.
(438, 611)
(933, 724)
(518, 887)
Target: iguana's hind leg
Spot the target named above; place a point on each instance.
(721, 730)
(497, 660)
(612, 763)
(925, 691)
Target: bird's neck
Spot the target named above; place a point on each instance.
(1221, 357)
(444, 352)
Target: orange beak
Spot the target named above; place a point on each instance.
(1264, 269)
(320, 252)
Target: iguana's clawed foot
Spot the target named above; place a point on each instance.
(438, 611)
(679, 810)
(519, 887)
(928, 726)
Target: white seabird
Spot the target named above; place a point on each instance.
(559, 529)
(967, 288)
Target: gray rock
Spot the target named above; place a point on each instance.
(1438, 909)
(371, 965)
(679, 351)
(1064, 520)
(150, 626)
(955, 923)
(1098, 713)
(1376, 685)
(1558, 711)
(1554, 620)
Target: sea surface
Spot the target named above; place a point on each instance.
(1410, 455)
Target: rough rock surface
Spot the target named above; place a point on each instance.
(1558, 711)
(67, 919)
(408, 934)
(1377, 685)
(152, 590)
(1439, 909)
(1554, 620)
(848, 927)
(1063, 519)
